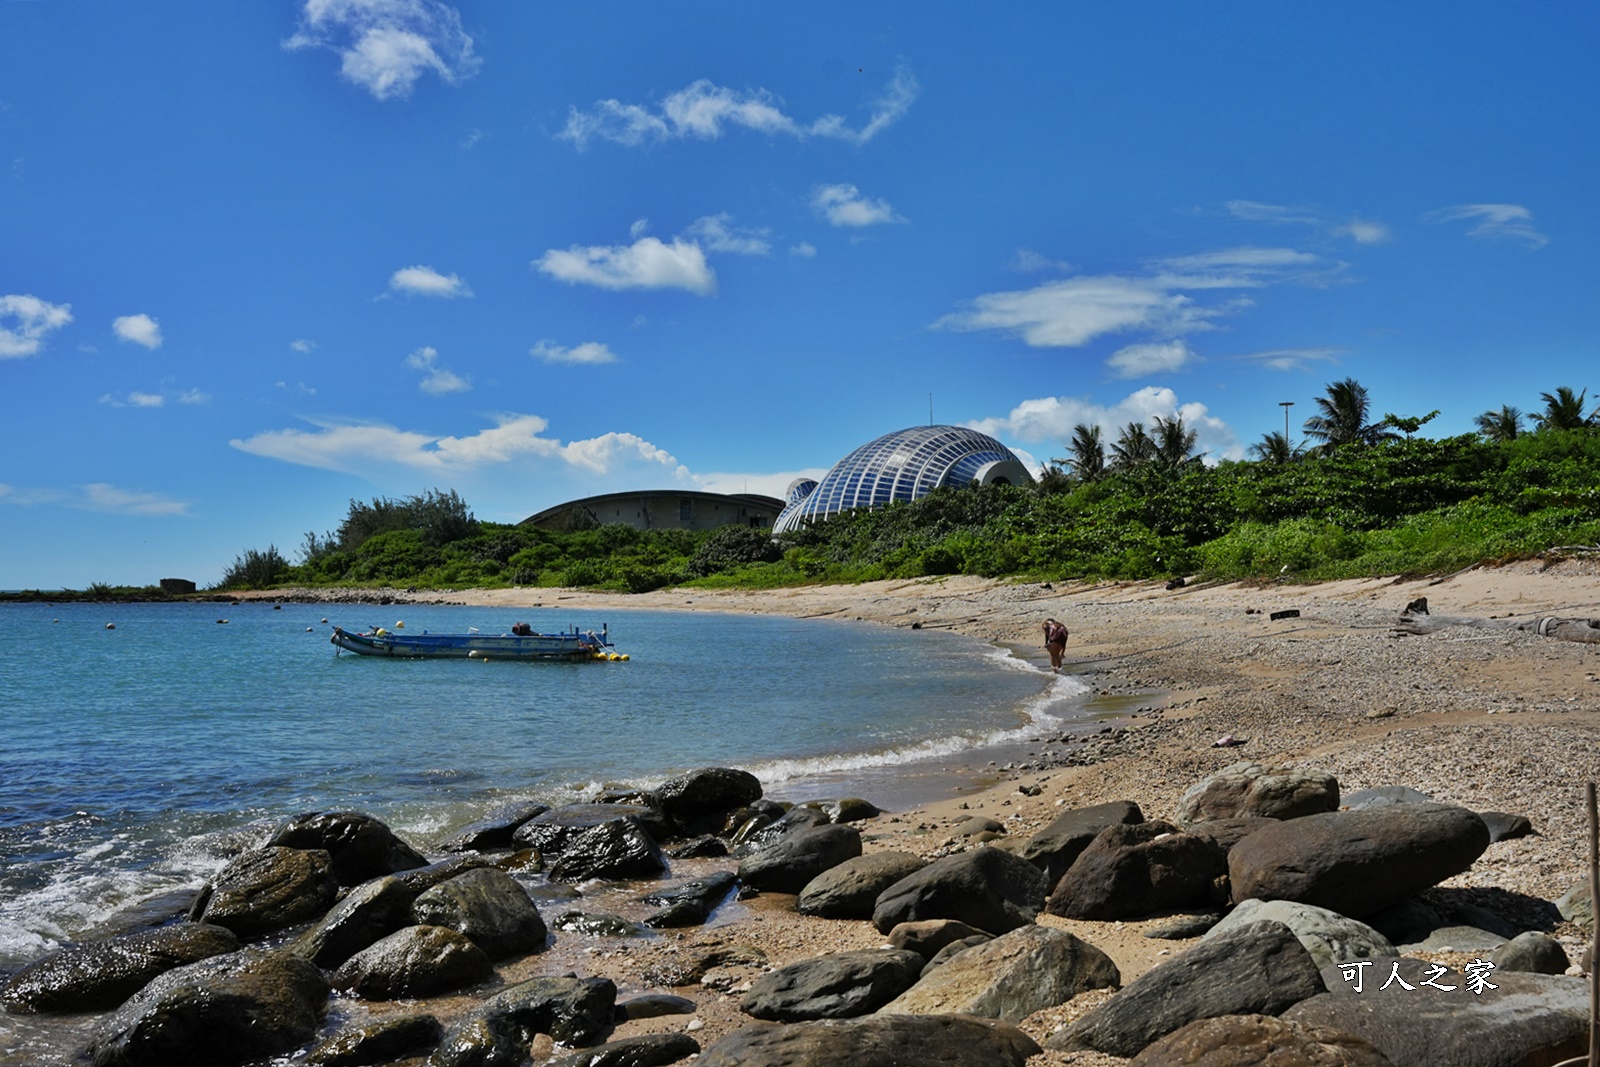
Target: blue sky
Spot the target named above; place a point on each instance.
(259, 259)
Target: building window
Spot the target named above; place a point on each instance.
(685, 510)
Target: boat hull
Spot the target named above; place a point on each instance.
(567, 646)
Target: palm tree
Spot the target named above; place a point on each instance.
(1502, 425)
(1564, 411)
(1174, 441)
(1088, 462)
(1344, 418)
(1275, 448)
(1134, 448)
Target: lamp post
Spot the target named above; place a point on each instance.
(1286, 405)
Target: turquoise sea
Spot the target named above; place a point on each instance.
(135, 760)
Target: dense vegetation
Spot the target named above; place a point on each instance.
(1368, 497)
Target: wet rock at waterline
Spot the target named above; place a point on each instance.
(650, 1050)
(617, 848)
(690, 903)
(494, 830)
(99, 975)
(417, 961)
(488, 906)
(267, 889)
(360, 846)
(708, 793)
(367, 914)
(378, 1042)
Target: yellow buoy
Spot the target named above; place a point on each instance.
(624, 655)
(401, 625)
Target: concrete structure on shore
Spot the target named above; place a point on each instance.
(660, 509)
(902, 466)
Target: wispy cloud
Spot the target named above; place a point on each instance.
(1361, 231)
(1051, 420)
(843, 205)
(704, 110)
(648, 263)
(96, 496)
(354, 447)
(303, 346)
(1495, 222)
(194, 397)
(137, 329)
(385, 46)
(1162, 300)
(425, 281)
(1154, 357)
(590, 352)
(25, 321)
(1364, 231)
(804, 250)
(1291, 358)
(437, 380)
(720, 235)
(135, 400)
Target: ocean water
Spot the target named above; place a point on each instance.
(135, 760)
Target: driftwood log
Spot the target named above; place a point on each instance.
(1416, 619)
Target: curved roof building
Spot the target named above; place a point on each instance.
(903, 465)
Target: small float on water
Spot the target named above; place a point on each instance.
(520, 644)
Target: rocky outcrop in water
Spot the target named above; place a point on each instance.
(99, 975)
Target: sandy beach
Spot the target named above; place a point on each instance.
(1487, 717)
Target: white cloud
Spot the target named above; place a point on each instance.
(302, 346)
(1361, 231)
(1027, 261)
(704, 110)
(384, 46)
(1504, 222)
(1155, 357)
(102, 496)
(805, 250)
(139, 329)
(25, 321)
(775, 484)
(1364, 232)
(425, 281)
(843, 205)
(645, 264)
(720, 236)
(437, 380)
(1292, 358)
(194, 396)
(589, 352)
(1051, 419)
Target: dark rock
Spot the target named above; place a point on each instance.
(488, 906)
(595, 924)
(875, 1041)
(1225, 833)
(99, 975)
(986, 888)
(846, 809)
(417, 961)
(1383, 795)
(1054, 848)
(1253, 789)
(1406, 922)
(1286, 613)
(1257, 969)
(850, 890)
(619, 848)
(238, 1007)
(378, 1042)
(270, 888)
(691, 903)
(572, 1010)
(361, 846)
(479, 1041)
(1357, 862)
(494, 830)
(1241, 1040)
(1183, 927)
(1132, 871)
(1576, 905)
(1012, 976)
(928, 937)
(1505, 827)
(954, 949)
(797, 858)
(368, 913)
(652, 1006)
(651, 1050)
(839, 986)
(1328, 936)
(740, 823)
(973, 825)
(1533, 952)
(706, 846)
(1525, 1019)
(421, 879)
(551, 832)
(756, 835)
(1447, 939)
(706, 793)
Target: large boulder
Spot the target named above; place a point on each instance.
(1010, 977)
(573, 1011)
(494, 830)
(850, 890)
(617, 848)
(551, 831)
(838, 986)
(1534, 952)
(875, 1041)
(764, 828)
(797, 858)
(929, 937)
(710, 792)
(1254, 789)
(417, 961)
(1054, 848)
(382, 1041)
(1329, 937)
(690, 903)
(238, 1007)
(361, 847)
(1257, 969)
(1357, 862)
(99, 975)
(1130, 871)
(1241, 1040)
(488, 906)
(986, 888)
(1523, 1019)
(267, 889)
(367, 914)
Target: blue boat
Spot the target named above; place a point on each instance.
(523, 644)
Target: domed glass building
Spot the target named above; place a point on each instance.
(903, 465)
